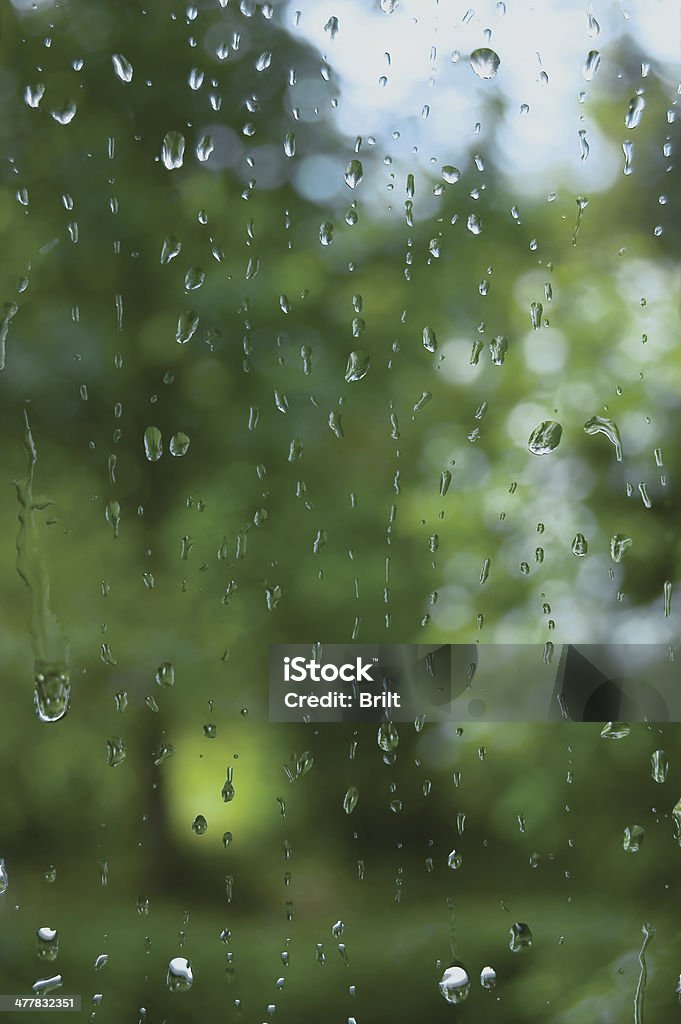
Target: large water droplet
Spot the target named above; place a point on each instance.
(52, 692)
(485, 62)
(228, 790)
(350, 799)
(545, 438)
(153, 444)
(603, 425)
(194, 279)
(474, 224)
(615, 730)
(171, 248)
(44, 985)
(290, 144)
(591, 65)
(455, 984)
(429, 339)
(633, 837)
(580, 545)
(326, 233)
(635, 112)
(179, 444)
(65, 114)
(4, 880)
(115, 751)
(521, 937)
(199, 825)
(659, 766)
(33, 94)
(165, 674)
(180, 977)
(450, 174)
(358, 366)
(204, 148)
(388, 737)
(618, 545)
(122, 67)
(353, 173)
(172, 151)
(488, 977)
(186, 326)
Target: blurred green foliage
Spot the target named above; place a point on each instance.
(92, 353)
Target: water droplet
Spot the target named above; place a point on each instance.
(603, 425)
(485, 62)
(667, 598)
(454, 860)
(455, 984)
(180, 977)
(204, 148)
(628, 150)
(48, 943)
(4, 880)
(115, 751)
(65, 114)
(199, 825)
(228, 791)
(122, 67)
(165, 751)
(536, 313)
(195, 79)
(521, 937)
(326, 233)
(186, 326)
(153, 444)
(429, 339)
(474, 224)
(171, 248)
(44, 985)
(33, 95)
(290, 144)
(591, 65)
(633, 837)
(545, 438)
(580, 545)
(635, 112)
(172, 151)
(388, 737)
(335, 425)
(165, 674)
(498, 349)
(618, 545)
(450, 174)
(358, 366)
(350, 799)
(353, 173)
(615, 730)
(488, 977)
(332, 26)
(52, 692)
(179, 444)
(194, 279)
(660, 766)
(263, 61)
